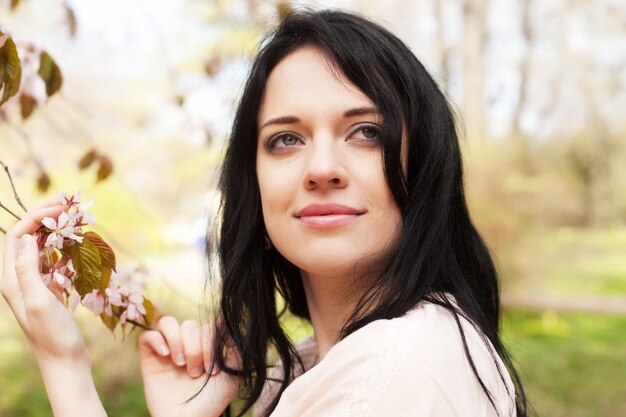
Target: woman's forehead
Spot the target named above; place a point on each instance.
(305, 81)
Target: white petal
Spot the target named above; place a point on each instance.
(59, 278)
(51, 241)
(79, 239)
(63, 218)
(70, 266)
(49, 222)
(86, 205)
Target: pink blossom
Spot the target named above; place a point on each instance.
(61, 228)
(94, 301)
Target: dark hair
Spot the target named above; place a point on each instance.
(438, 250)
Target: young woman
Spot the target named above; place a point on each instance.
(343, 195)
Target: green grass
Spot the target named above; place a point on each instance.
(572, 365)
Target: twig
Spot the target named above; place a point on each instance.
(133, 322)
(8, 210)
(4, 232)
(17, 197)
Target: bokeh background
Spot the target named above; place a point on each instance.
(150, 86)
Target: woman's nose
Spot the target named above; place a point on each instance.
(324, 167)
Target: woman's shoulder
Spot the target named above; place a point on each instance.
(412, 364)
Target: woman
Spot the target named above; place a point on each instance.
(342, 192)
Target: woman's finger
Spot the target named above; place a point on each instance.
(32, 221)
(207, 349)
(154, 340)
(170, 329)
(191, 334)
(48, 203)
(35, 293)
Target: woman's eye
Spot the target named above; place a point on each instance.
(282, 141)
(367, 132)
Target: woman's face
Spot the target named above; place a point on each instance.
(326, 205)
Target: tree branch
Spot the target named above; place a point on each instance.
(17, 197)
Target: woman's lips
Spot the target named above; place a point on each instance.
(325, 216)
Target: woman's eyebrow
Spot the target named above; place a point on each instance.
(285, 120)
(360, 111)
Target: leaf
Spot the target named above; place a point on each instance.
(110, 321)
(106, 278)
(150, 311)
(10, 68)
(27, 105)
(43, 182)
(50, 73)
(71, 19)
(106, 253)
(284, 8)
(106, 168)
(212, 66)
(87, 159)
(88, 266)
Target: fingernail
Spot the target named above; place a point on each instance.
(164, 350)
(180, 359)
(196, 371)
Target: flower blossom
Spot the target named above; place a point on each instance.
(58, 276)
(94, 301)
(128, 296)
(61, 228)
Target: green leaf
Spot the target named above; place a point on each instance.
(110, 321)
(88, 266)
(106, 253)
(106, 278)
(10, 68)
(150, 311)
(27, 105)
(50, 73)
(87, 159)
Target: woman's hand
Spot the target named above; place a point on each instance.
(48, 325)
(174, 364)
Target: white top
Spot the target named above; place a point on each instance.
(413, 365)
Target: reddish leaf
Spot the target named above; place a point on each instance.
(27, 105)
(50, 73)
(106, 253)
(10, 68)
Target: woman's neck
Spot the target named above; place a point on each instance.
(331, 300)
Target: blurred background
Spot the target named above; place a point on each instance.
(137, 102)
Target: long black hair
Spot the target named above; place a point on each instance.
(438, 249)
